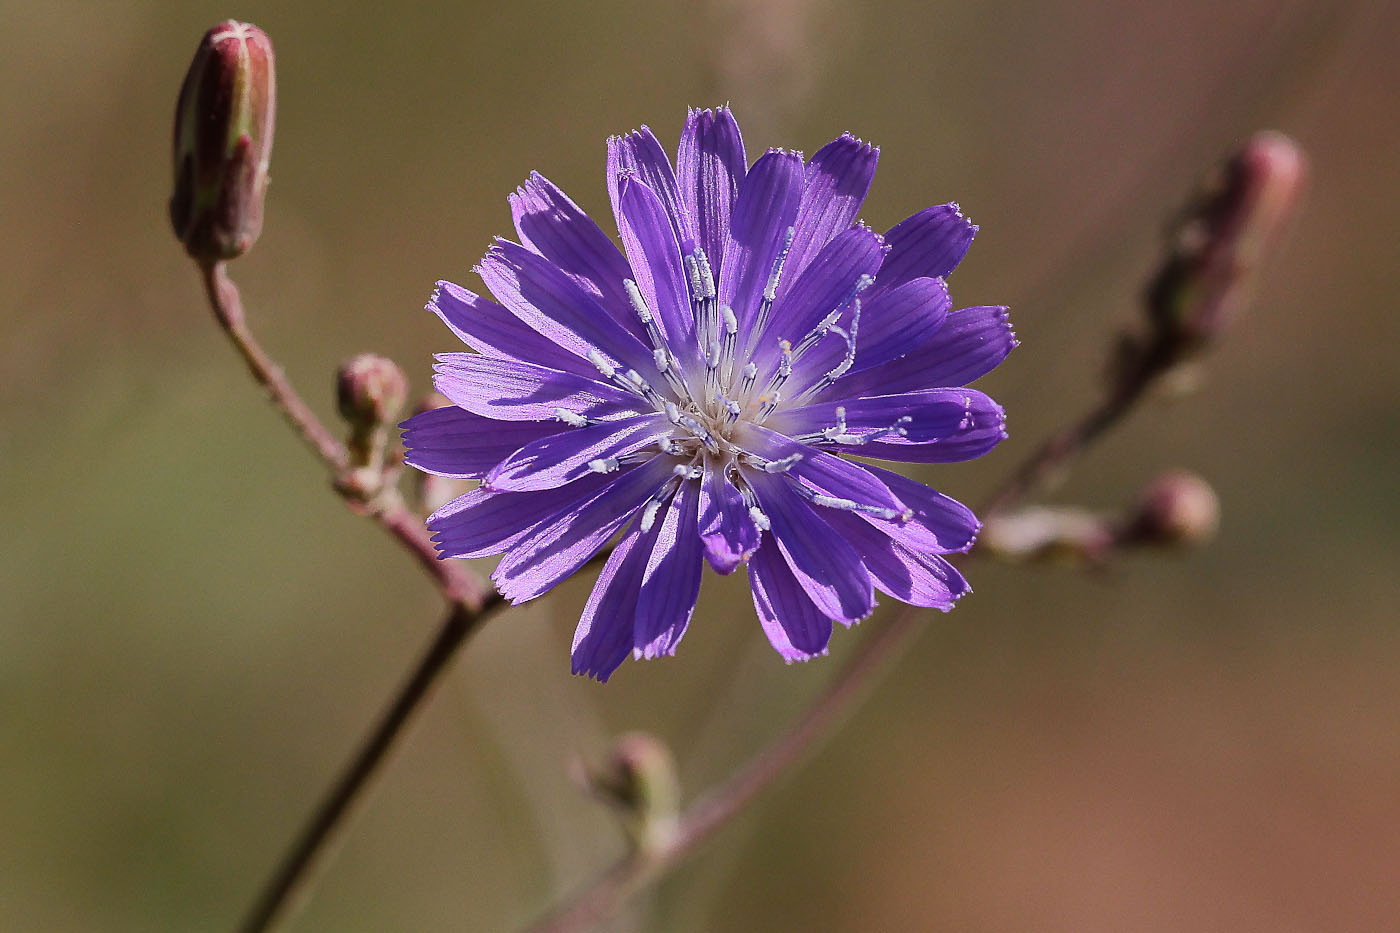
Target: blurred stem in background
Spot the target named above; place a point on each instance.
(1214, 248)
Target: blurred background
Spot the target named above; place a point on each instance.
(194, 632)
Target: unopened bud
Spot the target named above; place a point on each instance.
(1220, 239)
(223, 141)
(639, 780)
(1176, 508)
(370, 390)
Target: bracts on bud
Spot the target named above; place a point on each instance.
(370, 391)
(1217, 243)
(639, 781)
(223, 141)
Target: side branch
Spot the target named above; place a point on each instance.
(386, 508)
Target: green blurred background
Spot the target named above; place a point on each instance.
(195, 632)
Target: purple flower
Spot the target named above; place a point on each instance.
(696, 390)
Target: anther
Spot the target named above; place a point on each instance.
(604, 367)
(572, 419)
(634, 295)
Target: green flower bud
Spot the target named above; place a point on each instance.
(639, 781)
(223, 142)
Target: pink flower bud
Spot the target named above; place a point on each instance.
(223, 141)
(1176, 508)
(370, 390)
(1220, 239)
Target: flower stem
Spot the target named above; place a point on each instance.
(457, 585)
(280, 895)
(470, 599)
(1055, 454)
(707, 815)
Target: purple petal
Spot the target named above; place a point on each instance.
(488, 328)
(970, 344)
(826, 473)
(765, 209)
(564, 457)
(671, 583)
(901, 321)
(710, 165)
(551, 224)
(727, 530)
(837, 181)
(913, 578)
(932, 415)
(640, 153)
(537, 563)
(452, 442)
(483, 522)
(603, 637)
(830, 283)
(656, 264)
(929, 244)
(829, 569)
(894, 324)
(792, 622)
(512, 391)
(544, 297)
(939, 525)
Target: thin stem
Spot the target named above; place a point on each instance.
(470, 599)
(281, 894)
(1053, 456)
(388, 510)
(707, 815)
(228, 309)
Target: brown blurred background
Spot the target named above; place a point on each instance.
(194, 631)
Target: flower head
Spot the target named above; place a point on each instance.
(696, 392)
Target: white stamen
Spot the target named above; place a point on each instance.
(649, 514)
(759, 518)
(604, 367)
(731, 323)
(605, 465)
(572, 419)
(849, 505)
(707, 279)
(662, 359)
(770, 291)
(783, 465)
(634, 295)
